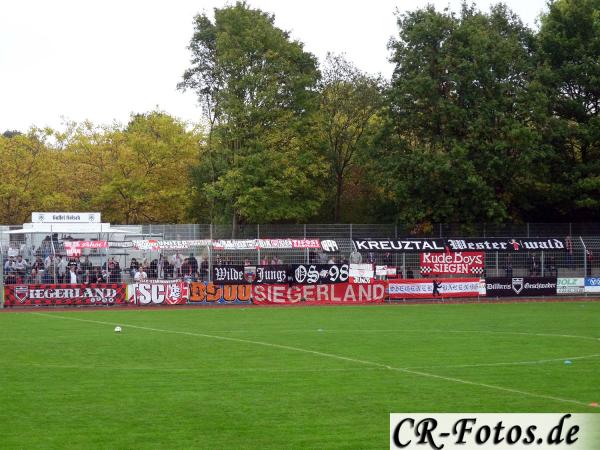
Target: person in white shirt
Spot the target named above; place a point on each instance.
(140, 274)
(73, 275)
(355, 257)
(177, 261)
(61, 267)
(20, 265)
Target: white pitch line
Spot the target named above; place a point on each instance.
(513, 363)
(328, 355)
(181, 369)
(402, 330)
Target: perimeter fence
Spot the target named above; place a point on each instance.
(172, 245)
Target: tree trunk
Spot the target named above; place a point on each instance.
(338, 198)
(234, 222)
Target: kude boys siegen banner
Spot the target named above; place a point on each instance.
(520, 286)
(452, 263)
(491, 244)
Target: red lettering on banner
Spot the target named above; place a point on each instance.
(443, 288)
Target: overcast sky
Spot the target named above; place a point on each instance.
(103, 60)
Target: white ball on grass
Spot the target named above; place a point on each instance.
(117, 329)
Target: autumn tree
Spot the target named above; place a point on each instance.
(139, 174)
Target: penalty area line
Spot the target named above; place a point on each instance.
(328, 355)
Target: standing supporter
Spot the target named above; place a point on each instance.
(204, 269)
(134, 266)
(508, 269)
(97, 275)
(86, 264)
(355, 257)
(20, 266)
(193, 263)
(168, 269)
(569, 248)
(177, 261)
(61, 267)
(72, 275)
(9, 265)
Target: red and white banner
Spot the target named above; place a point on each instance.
(64, 294)
(156, 245)
(362, 273)
(320, 293)
(467, 263)
(436, 288)
(265, 244)
(73, 248)
(159, 293)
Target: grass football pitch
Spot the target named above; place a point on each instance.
(277, 377)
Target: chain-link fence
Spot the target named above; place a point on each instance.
(38, 258)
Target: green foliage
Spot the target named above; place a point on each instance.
(461, 144)
(349, 102)
(258, 91)
(484, 120)
(569, 72)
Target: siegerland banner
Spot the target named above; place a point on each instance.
(64, 294)
(323, 293)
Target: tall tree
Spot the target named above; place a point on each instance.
(570, 72)
(257, 88)
(349, 100)
(460, 143)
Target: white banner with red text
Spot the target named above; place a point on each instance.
(436, 288)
